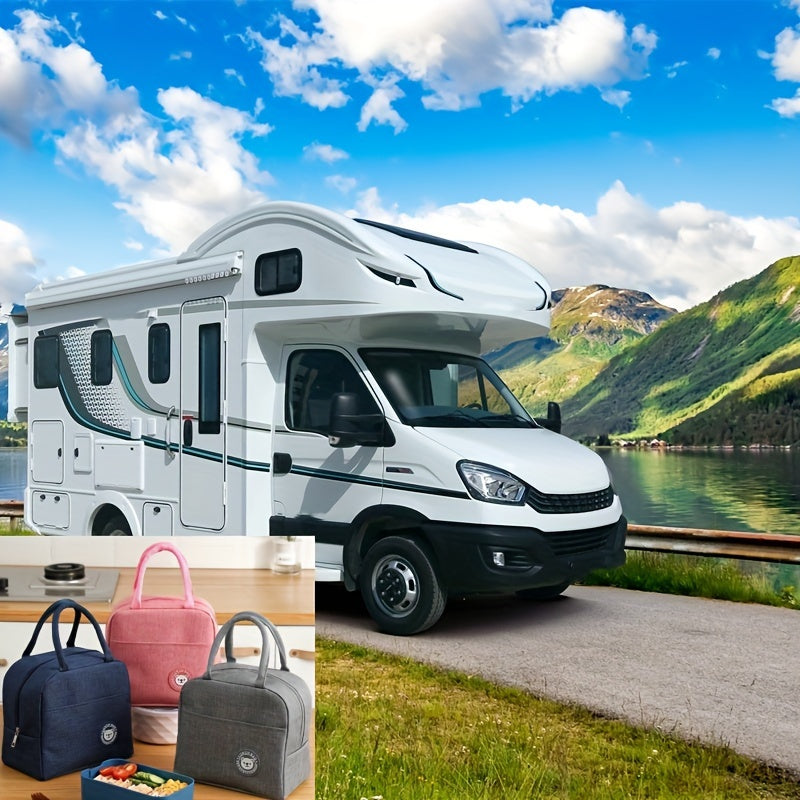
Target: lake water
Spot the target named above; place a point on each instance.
(729, 490)
(13, 475)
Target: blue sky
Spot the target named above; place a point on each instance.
(652, 145)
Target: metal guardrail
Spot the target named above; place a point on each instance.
(13, 511)
(775, 547)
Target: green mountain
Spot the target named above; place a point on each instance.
(590, 324)
(725, 372)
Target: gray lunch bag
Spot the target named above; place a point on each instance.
(244, 727)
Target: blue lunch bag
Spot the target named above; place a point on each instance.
(67, 709)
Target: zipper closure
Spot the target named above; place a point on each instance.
(17, 721)
(300, 703)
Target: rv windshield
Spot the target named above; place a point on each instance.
(445, 390)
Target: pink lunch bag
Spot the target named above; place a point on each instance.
(164, 641)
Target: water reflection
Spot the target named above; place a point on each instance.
(745, 490)
(13, 472)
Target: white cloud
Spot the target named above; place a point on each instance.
(176, 176)
(295, 70)
(681, 254)
(379, 108)
(342, 183)
(616, 97)
(316, 151)
(714, 52)
(176, 182)
(186, 24)
(787, 106)
(786, 58)
(232, 73)
(133, 244)
(17, 265)
(672, 70)
(184, 55)
(456, 49)
(45, 82)
(159, 15)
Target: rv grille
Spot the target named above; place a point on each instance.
(569, 503)
(568, 543)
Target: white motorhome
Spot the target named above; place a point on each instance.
(298, 372)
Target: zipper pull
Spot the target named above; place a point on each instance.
(14, 740)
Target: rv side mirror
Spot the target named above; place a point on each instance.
(349, 427)
(553, 419)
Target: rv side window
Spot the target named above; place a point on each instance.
(278, 273)
(210, 353)
(45, 362)
(314, 377)
(158, 353)
(101, 358)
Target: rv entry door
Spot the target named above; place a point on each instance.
(203, 413)
(319, 489)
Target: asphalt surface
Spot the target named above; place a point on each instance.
(709, 670)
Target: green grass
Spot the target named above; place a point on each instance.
(695, 576)
(5, 528)
(391, 728)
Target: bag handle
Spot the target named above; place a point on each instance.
(226, 633)
(72, 635)
(138, 581)
(54, 611)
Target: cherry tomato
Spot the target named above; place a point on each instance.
(106, 771)
(123, 771)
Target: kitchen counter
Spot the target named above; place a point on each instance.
(285, 599)
(15, 785)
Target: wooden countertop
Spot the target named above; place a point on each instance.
(17, 786)
(283, 599)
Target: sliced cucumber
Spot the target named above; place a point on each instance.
(147, 778)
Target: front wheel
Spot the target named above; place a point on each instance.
(400, 587)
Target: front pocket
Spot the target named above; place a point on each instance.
(81, 736)
(237, 755)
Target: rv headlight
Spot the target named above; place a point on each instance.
(493, 485)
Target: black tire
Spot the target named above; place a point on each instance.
(400, 586)
(117, 525)
(543, 592)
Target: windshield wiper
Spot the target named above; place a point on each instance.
(456, 417)
(528, 423)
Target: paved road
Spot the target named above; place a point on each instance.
(711, 670)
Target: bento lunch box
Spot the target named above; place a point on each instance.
(98, 790)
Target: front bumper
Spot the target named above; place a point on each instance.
(533, 558)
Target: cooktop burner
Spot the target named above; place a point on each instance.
(58, 580)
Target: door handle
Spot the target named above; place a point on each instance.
(187, 433)
(281, 463)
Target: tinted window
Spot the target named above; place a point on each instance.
(101, 358)
(278, 272)
(314, 377)
(45, 362)
(158, 353)
(209, 413)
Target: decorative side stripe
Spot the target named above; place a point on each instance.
(344, 477)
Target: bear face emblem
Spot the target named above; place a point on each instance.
(247, 762)
(109, 733)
